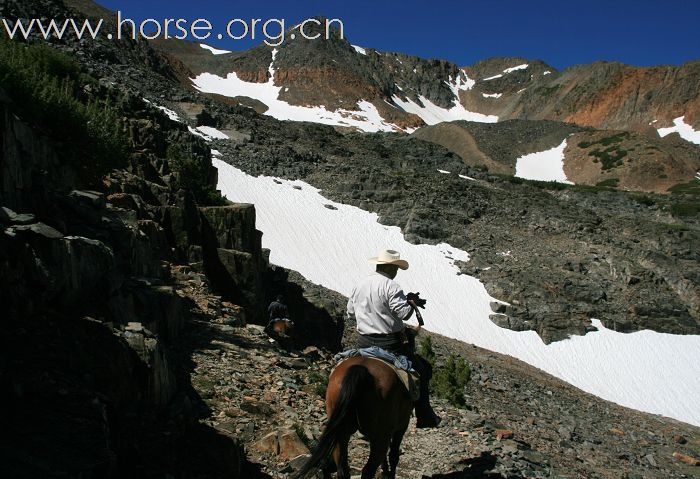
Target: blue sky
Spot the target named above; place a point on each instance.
(561, 33)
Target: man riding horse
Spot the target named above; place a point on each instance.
(380, 307)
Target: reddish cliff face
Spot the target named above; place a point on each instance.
(632, 98)
(330, 86)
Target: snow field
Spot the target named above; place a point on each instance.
(649, 371)
(545, 165)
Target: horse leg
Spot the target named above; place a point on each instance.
(394, 452)
(377, 455)
(340, 457)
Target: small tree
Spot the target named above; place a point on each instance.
(425, 349)
(448, 382)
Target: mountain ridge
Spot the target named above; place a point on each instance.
(396, 79)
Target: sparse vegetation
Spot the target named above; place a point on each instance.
(690, 188)
(682, 209)
(49, 88)
(610, 157)
(610, 182)
(449, 380)
(684, 199)
(607, 141)
(320, 381)
(192, 174)
(645, 200)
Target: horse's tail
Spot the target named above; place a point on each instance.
(343, 419)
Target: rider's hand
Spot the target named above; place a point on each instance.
(415, 299)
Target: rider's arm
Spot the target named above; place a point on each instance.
(351, 307)
(398, 303)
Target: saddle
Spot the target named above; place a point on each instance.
(409, 378)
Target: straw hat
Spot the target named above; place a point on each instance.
(389, 256)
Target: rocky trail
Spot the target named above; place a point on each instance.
(519, 422)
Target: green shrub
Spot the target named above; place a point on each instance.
(425, 349)
(610, 182)
(193, 175)
(685, 209)
(644, 200)
(299, 430)
(448, 381)
(610, 157)
(48, 89)
(690, 188)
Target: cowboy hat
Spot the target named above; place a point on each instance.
(389, 256)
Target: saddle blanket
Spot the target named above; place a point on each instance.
(408, 376)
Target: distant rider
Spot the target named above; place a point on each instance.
(277, 310)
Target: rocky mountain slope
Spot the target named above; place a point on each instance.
(126, 285)
(518, 422)
(336, 74)
(625, 243)
(634, 266)
(625, 160)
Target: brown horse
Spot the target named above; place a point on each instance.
(363, 394)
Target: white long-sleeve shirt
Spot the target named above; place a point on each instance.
(379, 305)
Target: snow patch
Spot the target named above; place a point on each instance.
(546, 72)
(365, 118)
(545, 165)
(432, 114)
(171, 114)
(507, 71)
(519, 67)
(209, 133)
(467, 177)
(682, 128)
(638, 370)
(213, 50)
(359, 50)
(492, 95)
(444, 172)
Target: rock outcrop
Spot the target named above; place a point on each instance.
(91, 289)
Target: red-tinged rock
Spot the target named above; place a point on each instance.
(617, 431)
(503, 434)
(291, 445)
(269, 444)
(686, 459)
(678, 439)
(284, 443)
